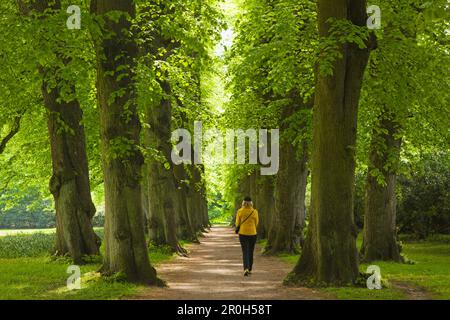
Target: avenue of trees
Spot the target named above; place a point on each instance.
(109, 94)
(86, 116)
(359, 109)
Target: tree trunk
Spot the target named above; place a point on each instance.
(69, 183)
(265, 204)
(380, 234)
(125, 246)
(193, 199)
(188, 211)
(163, 194)
(203, 198)
(330, 254)
(290, 187)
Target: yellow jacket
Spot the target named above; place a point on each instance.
(248, 228)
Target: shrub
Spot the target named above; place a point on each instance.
(30, 245)
(424, 204)
(26, 245)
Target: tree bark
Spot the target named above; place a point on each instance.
(330, 254)
(286, 231)
(187, 210)
(15, 127)
(69, 183)
(201, 195)
(380, 232)
(163, 195)
(125, 246)
(265, 202)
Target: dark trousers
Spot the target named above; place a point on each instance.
(248, 246)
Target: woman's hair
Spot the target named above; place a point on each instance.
(247, 202)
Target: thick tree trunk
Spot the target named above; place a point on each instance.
(69, 183)
(70, 180)
(290, 187)
(187, 210)
(330, 254)
(125, 246)
(380, 233)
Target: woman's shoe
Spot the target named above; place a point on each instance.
(246, 273)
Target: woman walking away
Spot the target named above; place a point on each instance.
(246, 223)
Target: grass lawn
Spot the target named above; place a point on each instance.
(32, 274)
(430, 271)
(41, 278)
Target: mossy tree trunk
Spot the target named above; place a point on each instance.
(165, 218)
(69, 183)
(265, 202)
(187, 210)
(330, 255)
(125, 246)
(288, 218)
(380, 232)
(202, 196)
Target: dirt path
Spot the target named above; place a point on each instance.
(214, 271)
(411, 291)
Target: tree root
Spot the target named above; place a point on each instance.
(180, 251)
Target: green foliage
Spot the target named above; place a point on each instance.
(161, 253)
(25, 209)
(407, 78)
(270, 70)
(32, 244)
(424, 207)
(218, 210)
(340, 33)
(422, 196)
(30, 44)
(26, 245)
(359, 196)
(121, 148)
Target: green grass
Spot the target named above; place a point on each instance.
(10, 232)
(31, 244)
(40, 278)
(431, 268)
(28, 272)
(26, 245)
(431, 271)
